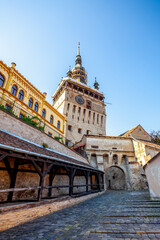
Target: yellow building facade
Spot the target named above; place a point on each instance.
(24, 100)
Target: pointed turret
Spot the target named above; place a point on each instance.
(78, 57)
(78, 71)
(96, 84)
(69, 73)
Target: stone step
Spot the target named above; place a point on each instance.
(125, 235)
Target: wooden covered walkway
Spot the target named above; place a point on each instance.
(31, 172)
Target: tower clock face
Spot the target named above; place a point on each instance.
(79, 99)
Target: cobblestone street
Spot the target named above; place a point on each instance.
(113, 215)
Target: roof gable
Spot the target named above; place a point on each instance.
(137, 132)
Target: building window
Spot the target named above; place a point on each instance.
(93, 161)
(21, 116)
(49, 134)
(79, 130)
(58, 124)
(20, 95)
(43, 113)
(36, 107)
(8, 107)
(87, 132)
(105, 160)
(51, 119)
(115, 159)
(97, 118)
(30, 103)
(69, 128)
(14, 90)
(1, 80)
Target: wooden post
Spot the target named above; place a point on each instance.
(13, 174)
(40, 191)
(71, 178)
(87, 177)
(91, 180)
(102, 181)
(98, 181)
(51, 177)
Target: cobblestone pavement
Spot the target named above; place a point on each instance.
(113, 215)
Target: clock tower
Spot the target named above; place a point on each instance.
(82, 105)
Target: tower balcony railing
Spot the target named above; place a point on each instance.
(15, 110)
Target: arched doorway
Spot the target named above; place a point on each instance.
(115, 178)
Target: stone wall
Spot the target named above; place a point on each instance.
(116, 156)
(16, 126)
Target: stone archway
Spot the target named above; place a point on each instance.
(115, 178)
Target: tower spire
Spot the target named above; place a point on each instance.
(78, 52)
(78, 72)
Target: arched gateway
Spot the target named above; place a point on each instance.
(115, 178)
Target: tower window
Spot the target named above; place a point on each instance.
(36, 107)
(101, 121)
(97, 118)
(20, 95)
(14, 90)
(87, 132)
(79, 130)
(79, 110)
(88, 104)
(74, 108)
(68, 105)
(1, 80)
(84, 112)
(43, 113)
(69, 128)
(93, 117)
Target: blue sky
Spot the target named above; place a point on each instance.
(120, 45)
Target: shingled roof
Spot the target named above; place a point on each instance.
(20, 144)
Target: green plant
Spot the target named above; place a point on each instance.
(45, 145)
(29, 120)
(9, 110)
(59, 138)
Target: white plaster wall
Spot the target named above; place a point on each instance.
(152, 171)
